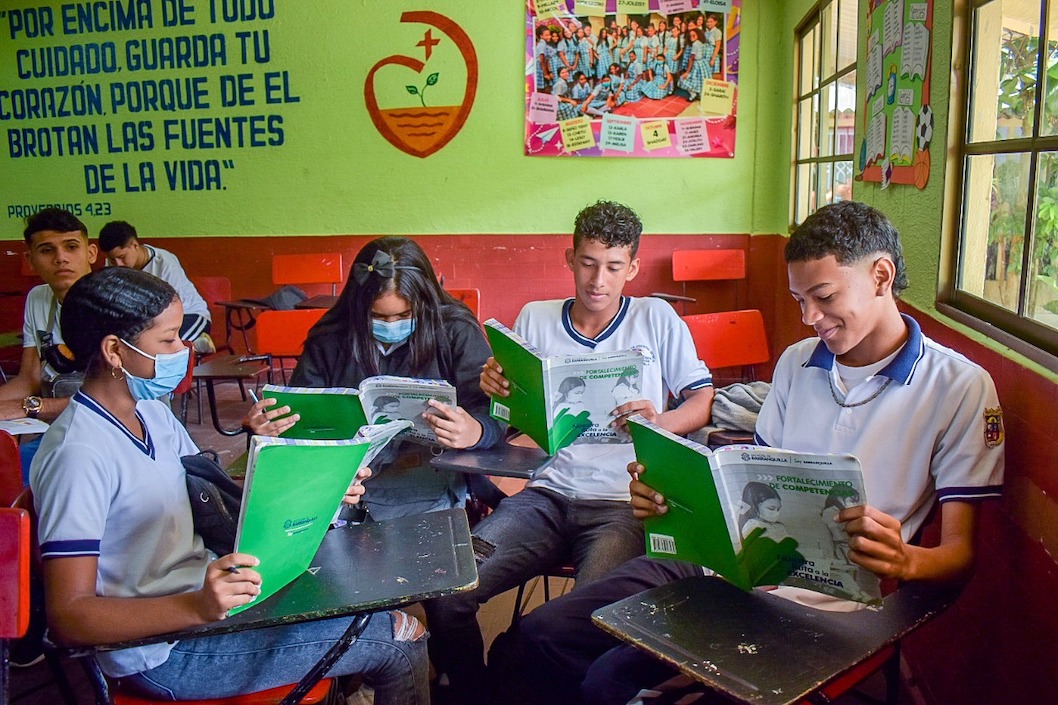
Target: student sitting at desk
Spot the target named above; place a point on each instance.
(121, 558)
(577, 505)
(393, 318)
(924, 421)
(122, 248)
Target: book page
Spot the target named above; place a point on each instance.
(388, 398)
(775, 494)
(591, 387)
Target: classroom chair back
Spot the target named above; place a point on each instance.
(321, 268)
(729, 338)
(10, 469)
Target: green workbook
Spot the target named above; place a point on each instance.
(753, 514)
(293, 488)
(337, 413)
(561, 399)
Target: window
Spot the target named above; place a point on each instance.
(825, 115)
(1006, 271)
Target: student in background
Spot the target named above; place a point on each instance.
(60, 253)
(577, 506)
(543, 52)
(393, 318)
(108, 484)
(122, 248)
(870, 384)
(713, 38)
(697, 69)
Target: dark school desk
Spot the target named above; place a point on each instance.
(227, 367)
(360, 569)
(504, 460)
(239, 316)
(759, 648)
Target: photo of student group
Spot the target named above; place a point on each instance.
(596, 65)
(107, 478)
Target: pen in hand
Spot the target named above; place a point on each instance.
(253, 395)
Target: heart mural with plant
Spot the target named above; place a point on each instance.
(422, 130)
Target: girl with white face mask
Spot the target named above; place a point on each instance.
(393, 318)
(109, 484)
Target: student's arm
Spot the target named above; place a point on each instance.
(876, 544)
(78, 616)
(27, 383)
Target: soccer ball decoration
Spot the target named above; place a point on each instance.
(925, 126)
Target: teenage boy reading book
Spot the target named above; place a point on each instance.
(924, 421)
(578, 506)
(122, 247)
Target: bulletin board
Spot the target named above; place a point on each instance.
(896, 115)
(658, 106)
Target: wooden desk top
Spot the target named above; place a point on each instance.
(229, 367)
(362, 568)
(759, 648)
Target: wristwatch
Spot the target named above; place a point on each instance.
(32, 405)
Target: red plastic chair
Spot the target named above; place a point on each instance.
(703, 265)
(214, 290)
(730, 338)
(272, 696)
(10, 470)
(14, 585)
(470, 297)
(281, 334)
(322, 268)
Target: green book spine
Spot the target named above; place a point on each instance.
(527, 407)
(694, 528)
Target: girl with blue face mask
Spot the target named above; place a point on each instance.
(393, 318)
(109, 485)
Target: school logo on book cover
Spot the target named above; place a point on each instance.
(993, 427)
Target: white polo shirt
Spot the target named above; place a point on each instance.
(597, 471)
(934, 431)
(41, 309)
(165, 265)
(100, 491)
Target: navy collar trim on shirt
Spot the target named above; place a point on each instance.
(146, 446)
(901, 368)
(567, 323)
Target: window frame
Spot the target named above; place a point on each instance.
(1029, 337)
(814, 21)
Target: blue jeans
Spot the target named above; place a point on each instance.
(560, 657)
(532, 531)
(247, 661)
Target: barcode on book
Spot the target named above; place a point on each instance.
(660, 543)
(502, 412)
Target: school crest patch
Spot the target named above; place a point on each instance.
(993, 426)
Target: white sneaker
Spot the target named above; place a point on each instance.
(204, 345)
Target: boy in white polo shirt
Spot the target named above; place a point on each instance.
(924, 421)
(122, 248)
(578, 506)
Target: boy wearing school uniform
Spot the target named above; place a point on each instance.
(60, 253)
(578, 505)
(924, 421)
(122, 248)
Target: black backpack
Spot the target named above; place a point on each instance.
(215, 501)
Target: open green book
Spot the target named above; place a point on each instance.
(292, 490)
(560, 399)
(336, 413)
(755, 515)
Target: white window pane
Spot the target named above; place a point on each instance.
(1004, 61)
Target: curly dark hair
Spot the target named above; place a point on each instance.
(612, 224)
(58, 220)
(850, 231)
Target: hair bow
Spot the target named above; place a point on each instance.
(381, 264)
